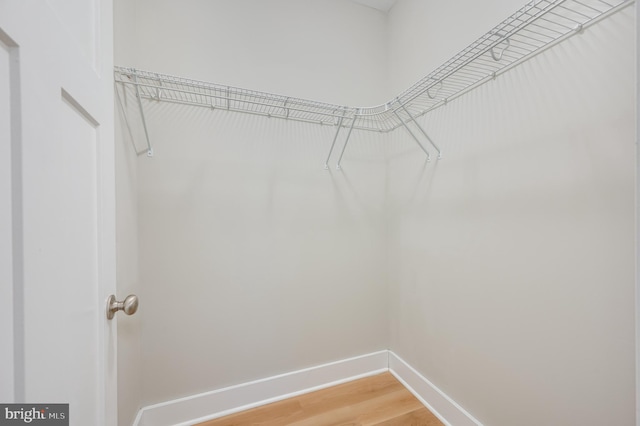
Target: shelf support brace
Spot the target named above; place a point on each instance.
(423, 131)
(353, 123)
(412, 134)
(144, 121)
(335, 138)
(126, 120)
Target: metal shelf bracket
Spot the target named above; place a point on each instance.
(353, 123)
(412, 118)
(144, 121)
(335, 137)
(412, 134)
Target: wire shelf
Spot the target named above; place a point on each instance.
(536, 26)
(163, 87)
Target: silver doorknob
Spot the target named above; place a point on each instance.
(129, 305)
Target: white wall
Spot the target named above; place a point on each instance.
(331, 50)
(508, 265)
(512, 259)
(254, 260)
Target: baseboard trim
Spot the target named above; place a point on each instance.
(222, 402)
(439, 403)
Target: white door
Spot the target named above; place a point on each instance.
(57, 248)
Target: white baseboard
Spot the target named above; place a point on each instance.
(439, 403)
(222, 402)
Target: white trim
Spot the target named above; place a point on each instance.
(637, 220)
(222, 402)
(11, 230)
(439, 403)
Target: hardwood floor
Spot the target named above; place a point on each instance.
(373, 401)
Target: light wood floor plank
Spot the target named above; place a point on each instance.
(415, 418)
(373, 401)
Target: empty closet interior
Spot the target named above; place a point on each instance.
(446, 184)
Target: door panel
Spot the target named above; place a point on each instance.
(62, 314)
(79, 17)
(66, 192)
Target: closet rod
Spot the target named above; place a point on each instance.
(538, 25)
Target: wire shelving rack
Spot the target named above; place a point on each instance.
(536, 26)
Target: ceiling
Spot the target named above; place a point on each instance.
(383, 5)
